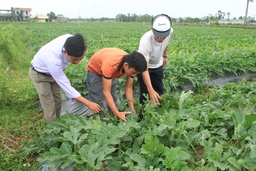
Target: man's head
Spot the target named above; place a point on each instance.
(161, 26)
(74, 48)
(133, 63)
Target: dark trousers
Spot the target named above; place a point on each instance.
(156, 76)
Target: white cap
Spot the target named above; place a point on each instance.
(161, 26)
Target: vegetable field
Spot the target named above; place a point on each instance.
(207, 128)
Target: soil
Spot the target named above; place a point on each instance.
(199, 153)
(10, 143)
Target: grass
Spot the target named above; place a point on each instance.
(21, 117)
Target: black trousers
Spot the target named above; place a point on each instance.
(156, 76)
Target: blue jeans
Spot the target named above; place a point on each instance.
(156, 76)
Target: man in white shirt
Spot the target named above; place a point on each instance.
(47, 73)
(153, 45)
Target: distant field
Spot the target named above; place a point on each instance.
(186, 38)
(202, 50)
(195, 52)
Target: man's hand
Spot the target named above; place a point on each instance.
(154, 97)
(121, 115)
(96, 108)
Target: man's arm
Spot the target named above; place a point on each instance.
(92, 106)
(154, 96)
(129, 92)
(165, 51)
(107, 83)
(165, 56)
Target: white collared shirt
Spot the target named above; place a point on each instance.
(50, 59)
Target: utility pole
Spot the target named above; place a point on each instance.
(246, 12)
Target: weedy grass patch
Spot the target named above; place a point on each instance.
(19, 110)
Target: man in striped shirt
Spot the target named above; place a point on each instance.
(47, 73)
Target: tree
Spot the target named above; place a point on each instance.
(188, 20)
(145, 18)
(20, 15)
(209, 19)
(27, 17)
(121, 18)
(246, 11)
(14, 16)
(228, 14)
(128, 17)
(52, 16)
(220, 14)
(133, 17)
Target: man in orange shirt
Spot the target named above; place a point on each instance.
(104, 67)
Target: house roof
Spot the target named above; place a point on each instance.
(25, 9)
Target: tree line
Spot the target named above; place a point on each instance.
(147, 18)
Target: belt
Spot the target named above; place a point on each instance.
(39, 72)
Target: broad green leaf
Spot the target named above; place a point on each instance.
(253, 150)
(66, 148)
(175, 158)
(250, 119)
(55, 150)
(220, 165)
(67, 164)
(73, 134)
(139, 160)
(192, 124)
(182, 155)
(239, 117)
(56, 163)
(235, 163)
(88, 156)
(103, 154)
(153, 146)
(83, 137)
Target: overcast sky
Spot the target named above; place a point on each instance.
(110, 8)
